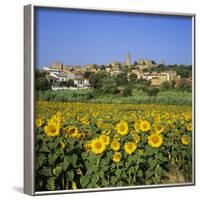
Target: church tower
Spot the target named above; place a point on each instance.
(128, 59)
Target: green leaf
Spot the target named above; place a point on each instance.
(51, 184)
(44, 148)
(118, 172)
(124, 175)
(131, 169)
(52, 158)
(140, 173)
(46, 171)
(149, 151)
(84, 180)
(54, 143)
(91, 169)
(158, 170)
(113, 180)
(40, 160)
(84, 155)
(57, 170)
(113, 165)
(149, 174)
(152, 163)
(119, 183)
(104, 167)
(74, 159)
(70, 175)
(128, 163)
(101, 174)
(64, 165)
(105, 183)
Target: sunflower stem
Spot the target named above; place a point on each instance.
(97, 163)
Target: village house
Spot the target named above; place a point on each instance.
(56, 76)
(145, 64)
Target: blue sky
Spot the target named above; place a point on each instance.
(86, 37)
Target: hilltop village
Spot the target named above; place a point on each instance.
(78, 76)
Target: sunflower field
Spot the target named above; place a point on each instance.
(85, 145)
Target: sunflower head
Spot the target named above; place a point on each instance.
(185, 139)
(116, 157)
(87, 147)
(56, 118)
(52, 129)
(144, 126)
(84, 121)
(137, 125)
(38, 122)
(155, 140)
(189, 127)
(130, 147)
(115, 145)
(72, 131)
(97, 146)
(105, 139)
(136, 138)
(122, 127)
(159, 128)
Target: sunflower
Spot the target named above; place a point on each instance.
(189, 127)
(105, 139)
(52, 129)
(117, 157)
(84, 121)
(130, 147)
(115, 145)
(185, 139)
(122, 127)
(95, 114)
(137, 125)
(136, 138)
(38, 122)
(176, 132)
(74, 185)
(155, 140)
(159, 128)
(98, 146)
(144, 126)
(87, 147)
(72, 131)
(56, 119)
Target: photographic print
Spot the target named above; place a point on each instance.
(114, 99)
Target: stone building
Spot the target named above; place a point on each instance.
(128, 59)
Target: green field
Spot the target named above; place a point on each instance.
(171, 97)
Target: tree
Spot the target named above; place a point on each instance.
(86, 74)
(109, 86)
(41, 83)
(70, 83)
(167, 85)
(185, 85)
(184, 72)
(153, 62)
(151, 91)
(133, 77)
(121, 79)
(95, 79)
(127, 91)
